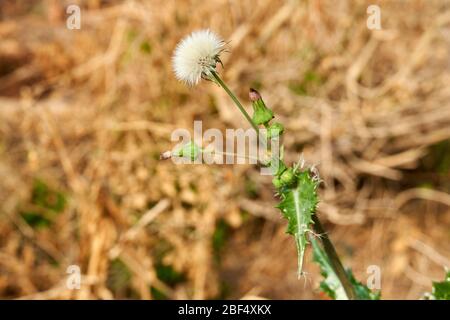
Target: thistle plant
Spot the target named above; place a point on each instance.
(196, 57)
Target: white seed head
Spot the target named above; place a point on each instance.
(196, 56)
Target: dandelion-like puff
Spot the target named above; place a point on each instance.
(196, 56)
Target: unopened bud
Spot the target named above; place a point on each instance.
(275, 130)
(288, 177)
(261, 114)
(190, 150)
(277, 182)
(254, 95)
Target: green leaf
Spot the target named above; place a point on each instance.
(119, 275)
(362, 291)
(441, 290)
(45, 197)
(157, 294)
(298, 204)
(219, 238)
(168, 274)
(331, 284)
(36, 220)
(146, 47)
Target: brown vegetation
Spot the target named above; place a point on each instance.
(84, 115)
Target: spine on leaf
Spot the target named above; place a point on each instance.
(299, 200)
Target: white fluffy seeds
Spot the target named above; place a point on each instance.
(196, 56)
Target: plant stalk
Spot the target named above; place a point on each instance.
(236, 100)
(326, 242)
(334, 258)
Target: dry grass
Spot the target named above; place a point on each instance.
(88, 112)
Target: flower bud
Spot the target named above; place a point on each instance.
(190, 150)
(262, 114)
(254, 95)
(275, 130)
(288, 177)
(277, 182)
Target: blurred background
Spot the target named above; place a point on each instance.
(85, 114)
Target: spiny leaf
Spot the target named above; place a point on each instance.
(298, 204)
(331, 284)
(441, 290)
(362, 291)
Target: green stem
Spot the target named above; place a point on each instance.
(236, 101)
(334, 258)
(327, 244)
